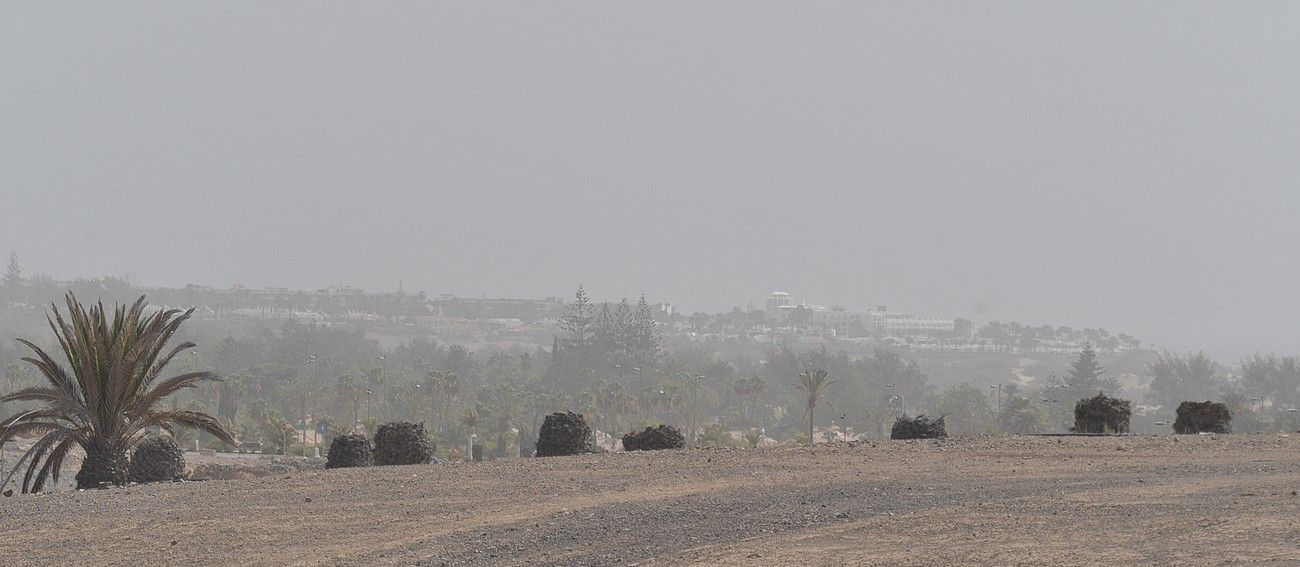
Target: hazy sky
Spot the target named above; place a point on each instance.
(1132, 165)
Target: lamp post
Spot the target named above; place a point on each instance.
(383, 372)
(356, 398)
(369, 395)
(418, 387)
(695, 408)
(900, 398)
(311, 364)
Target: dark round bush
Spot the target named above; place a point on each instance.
(1102, 414)
(1210, 417)
(402, 443)
(563, 434)
(350, 450)
(918, 428)
(156, 459)
(654, 439)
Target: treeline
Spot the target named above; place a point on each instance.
(1028, 337)
(610, 362)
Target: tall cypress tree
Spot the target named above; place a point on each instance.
(1085, 376)
(578, 321)
(606, 334)
(622, 334)
(13, 272)
(580, 324)
(645, 344)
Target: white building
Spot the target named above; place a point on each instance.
(887, 324)
(777, 307)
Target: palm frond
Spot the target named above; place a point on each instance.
(37, 452)
(53, 463)
(53, 373)
(34, 394)
(168, 387)
(185, 418)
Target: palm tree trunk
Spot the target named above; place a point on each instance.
(811, 408)
(105, 465)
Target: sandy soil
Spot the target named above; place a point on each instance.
(1207, 500)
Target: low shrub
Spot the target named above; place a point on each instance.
(1102, 414)
(349, 450)
(563, 433)
(1210, 417)
(654, 439)
(918, 427)
(402, 443)
(156, 459)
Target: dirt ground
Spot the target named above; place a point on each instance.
(1193, 500)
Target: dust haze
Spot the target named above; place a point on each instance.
(1131, 167)
(608, 283)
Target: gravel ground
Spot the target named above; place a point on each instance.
(1195, 500)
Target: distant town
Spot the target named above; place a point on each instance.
(781, 320)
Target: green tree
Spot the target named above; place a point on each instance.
(229, 394)
(1177, 378)
(1272, 378)
(446, 385)
(615, 404)
(644, 343)
(13, 277)
(749, 391)
(967, 409)
(1019, 416)
(800, 316)
(107, 397)
(1084, 379)
(347, 395)
(579, 323)
(609, 336)
(814, 384)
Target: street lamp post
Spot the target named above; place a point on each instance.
(311, 363)
(356, 398)
(418, 387)
(695, 407)
(383, 372)
(902, 399)
(369, 395)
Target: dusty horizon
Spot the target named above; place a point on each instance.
(1128, 166)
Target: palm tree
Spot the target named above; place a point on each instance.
(470, 420)
(108, 396)
(749, 390)
(814, 383)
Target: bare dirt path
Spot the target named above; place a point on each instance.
(1207, 500)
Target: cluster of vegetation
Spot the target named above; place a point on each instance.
(34, 292)
(654, 439)
(398, 443)
(282, 388)
(1028, 337)
(106, 398)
